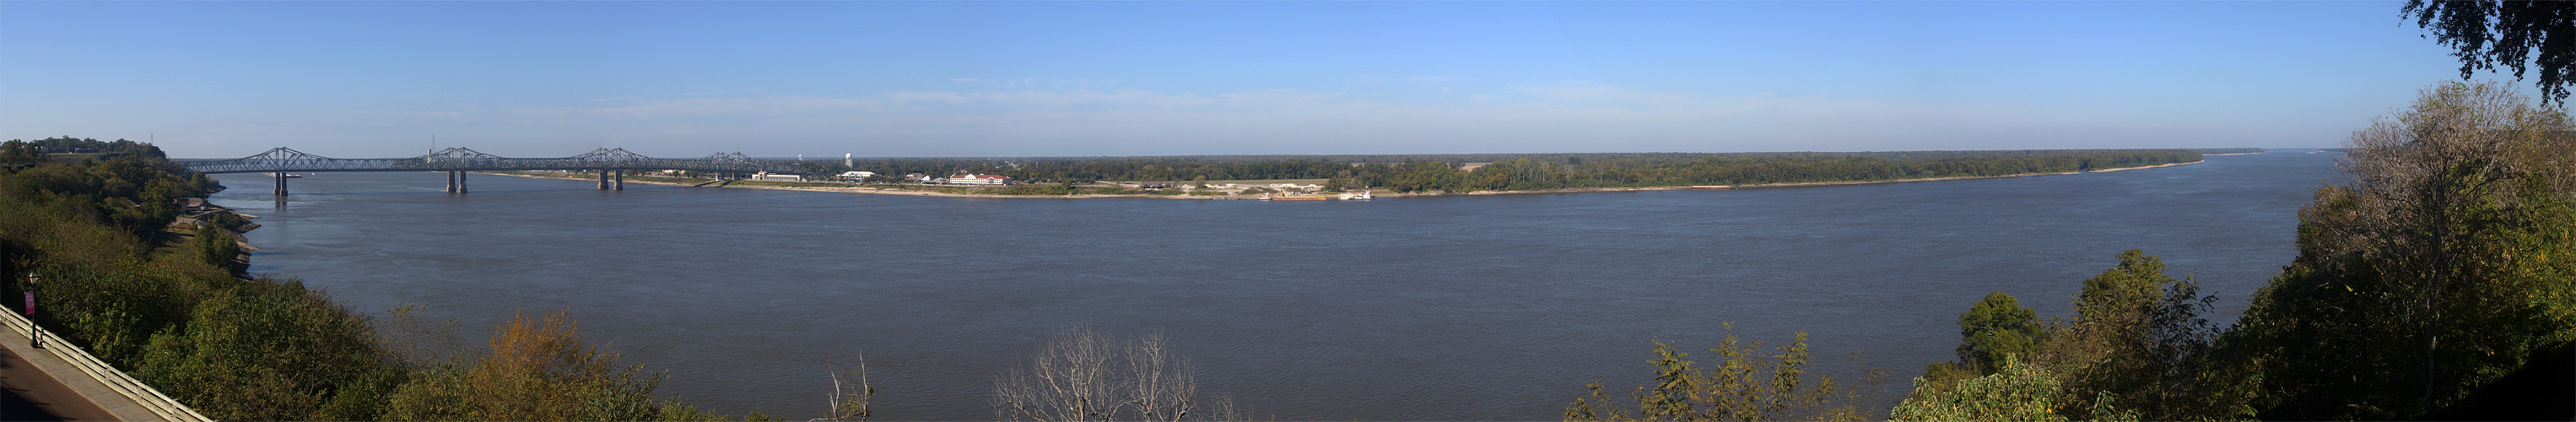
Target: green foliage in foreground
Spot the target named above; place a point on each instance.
(2445, 263)
(2135, 348)
(2015, 392)
(1744, 386)
(1996, 328)
(2438, 281)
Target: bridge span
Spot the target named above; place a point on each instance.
(456, 161)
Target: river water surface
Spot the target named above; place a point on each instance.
(1447, 308)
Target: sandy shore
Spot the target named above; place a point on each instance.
(2147, 167)
(891, 191)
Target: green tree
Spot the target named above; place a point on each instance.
(2443, 262)
(2016, 391)
(2516, 34)
(1997, 327)
(215, 245)
(1744, 386)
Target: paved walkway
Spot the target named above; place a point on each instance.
(39, 386)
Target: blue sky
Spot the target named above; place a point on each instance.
(678, 79)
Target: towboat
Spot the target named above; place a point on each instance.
(288, 175)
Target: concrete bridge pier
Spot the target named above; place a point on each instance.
(281, 182)
(451, 182)
(621, 179)
(603, 180)
(460, 181)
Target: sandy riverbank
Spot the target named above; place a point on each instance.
(915, 192)
(2147, 167)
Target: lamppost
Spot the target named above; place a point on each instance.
(35, 333)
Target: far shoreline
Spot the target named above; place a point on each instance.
(1235, 197)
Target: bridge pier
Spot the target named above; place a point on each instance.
(460, 181)
(603, 180)
(621, 179)
(281, 182)
(451, 182)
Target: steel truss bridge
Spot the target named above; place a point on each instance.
(285, 159)
(282, 162)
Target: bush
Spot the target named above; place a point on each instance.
(534, 370)
(1746, 386)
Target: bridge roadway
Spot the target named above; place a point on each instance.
(456, 161)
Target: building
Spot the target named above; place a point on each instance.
(776, 177)
(979, 179)
(858, 175)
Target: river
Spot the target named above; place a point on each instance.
(1445, 308)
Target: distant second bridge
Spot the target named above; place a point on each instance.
(456, 161)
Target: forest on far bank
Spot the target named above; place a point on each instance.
(1505, 172)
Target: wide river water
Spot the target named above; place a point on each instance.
(1445, 308)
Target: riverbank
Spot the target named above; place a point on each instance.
(1766, 185)
(917, 190)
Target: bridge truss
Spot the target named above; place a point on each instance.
(285, 159)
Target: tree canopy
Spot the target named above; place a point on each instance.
(2518, 35)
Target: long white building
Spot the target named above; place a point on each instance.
(979, 179)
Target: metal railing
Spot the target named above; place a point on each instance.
(143, 395)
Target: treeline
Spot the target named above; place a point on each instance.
(2230, 150)
(1449, 173)
(168, 303)
(2438, 281)
(71, 145)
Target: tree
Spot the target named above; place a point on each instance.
(2017, 391)
(1997, 327)
(534, 370)
(851, 402)
(2441, 262)
(1082, 375)
(1745, 386)
(2516, 34)
(215, 245)
(2138, 338)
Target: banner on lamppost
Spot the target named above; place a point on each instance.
(31, 303)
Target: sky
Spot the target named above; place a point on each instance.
(1026, 79)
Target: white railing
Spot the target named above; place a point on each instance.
(143, 395)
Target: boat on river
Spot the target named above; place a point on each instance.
(288, 175)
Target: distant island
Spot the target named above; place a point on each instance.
(1258, 176)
